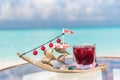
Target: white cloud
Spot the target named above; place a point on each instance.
(57, 9)
(5, 10)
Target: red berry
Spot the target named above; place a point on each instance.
(35, 52)
(50, 45)
(42, 48)
(58, 40)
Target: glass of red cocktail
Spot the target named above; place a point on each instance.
(84, 55)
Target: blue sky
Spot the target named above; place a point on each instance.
(58, 13)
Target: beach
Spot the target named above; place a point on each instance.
(10, 63)
(13, 41)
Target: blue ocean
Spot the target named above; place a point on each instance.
(107, 40)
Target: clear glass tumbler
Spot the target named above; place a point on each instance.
(84, 56)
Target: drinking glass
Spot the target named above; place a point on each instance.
(84, 55)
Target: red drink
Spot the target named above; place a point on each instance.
(84, 54)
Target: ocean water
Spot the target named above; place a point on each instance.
(107, 40)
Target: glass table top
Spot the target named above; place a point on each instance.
(21, 72)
